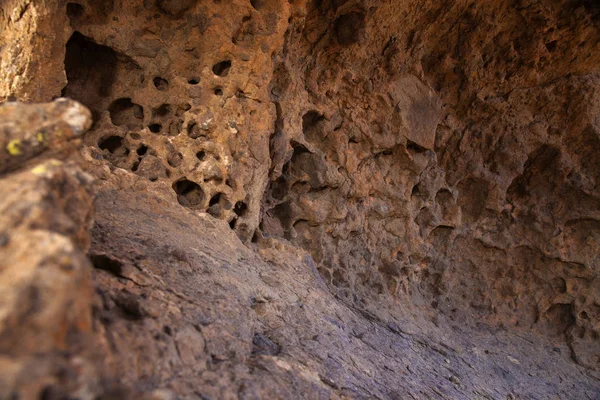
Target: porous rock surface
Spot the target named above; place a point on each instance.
(323, 199)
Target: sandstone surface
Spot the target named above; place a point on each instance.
(303, 199)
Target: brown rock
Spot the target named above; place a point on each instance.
(29, 130)
(420, 179)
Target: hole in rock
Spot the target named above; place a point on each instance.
(155, 128)
(189, 194)
(311, 119)
(113, 144)
(142, 150)
(240, 208)
(219, 92)
(194, 131)
(90, 69)
(103, 262)
(125, 113)
(257, 4)
(194, 81)
(415, 148)
(160, 83)
(349, 27)
(560, 318)
(201, 155)
(174, 159)
(75, 10)
(415, 191)
(215, 199)
(559, 284)
(222, 68)
(232, 223)
(551, 46)
(584, 315)
(161, 111)
(311, 126)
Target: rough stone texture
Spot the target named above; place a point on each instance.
(28, 131)
(437, 160)
(46, 289)
(32, 37)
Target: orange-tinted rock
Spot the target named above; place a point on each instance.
(422, 178)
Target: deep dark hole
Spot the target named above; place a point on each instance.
(311, 119)
(214, 200)
(348, 28)
(102, 261)
(142, 150)
(75, 10)
(194, 81)
(111, 143)
(415, 190)
(551, 46)
(222, 68)
(257, 4)
(219, 92)
(161, 111)
(90, 69)
(155, 128)
(584, 315)
(415, 148)
(232, 223)
(593, 7)
(189, 193)
(201, 154)
(184, 187)
(240, 208)
(160, 83)
(125, 113)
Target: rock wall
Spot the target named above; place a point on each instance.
(438, 161)
(447, 154)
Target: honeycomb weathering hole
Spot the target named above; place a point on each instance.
(348, 28)
(142, 150)
(90, 67)
(111, 143)
(189, 194)
(155, 128)
(257, 4)
(160, 83)
(123, 112)
(240, 208)
(222, 68)
(75, 10)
